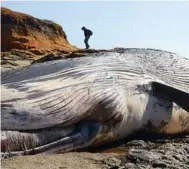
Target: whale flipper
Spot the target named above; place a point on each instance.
(179, 97)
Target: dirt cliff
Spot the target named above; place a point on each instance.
(24, 32)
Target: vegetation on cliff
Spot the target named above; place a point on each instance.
(24, 32)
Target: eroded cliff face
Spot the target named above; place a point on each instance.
(24, 32)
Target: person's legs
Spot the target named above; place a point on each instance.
(86, 42)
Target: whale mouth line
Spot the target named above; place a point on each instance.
(83, 134)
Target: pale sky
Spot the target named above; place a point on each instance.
(160, 25)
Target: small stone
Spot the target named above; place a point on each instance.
(178, 157)
(113, 162)
(114, 167)
(138, 143)
(159, 164)
(143, 155)
(129, 165)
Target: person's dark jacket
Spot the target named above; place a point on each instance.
(87, 32)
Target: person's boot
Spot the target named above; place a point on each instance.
(87, 46)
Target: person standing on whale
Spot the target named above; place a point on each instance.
(87, 34)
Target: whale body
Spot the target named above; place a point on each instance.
(65, 105)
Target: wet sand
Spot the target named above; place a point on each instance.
(58, 161)
(169, 153)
